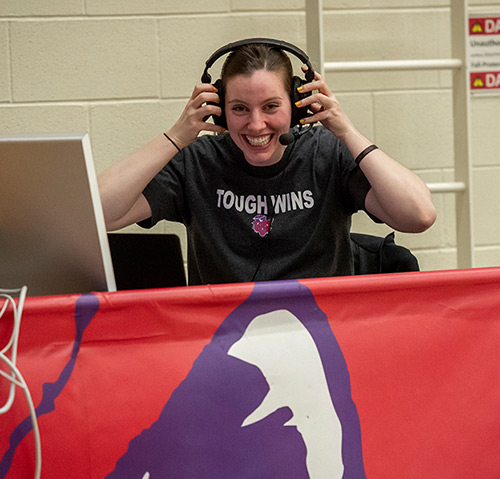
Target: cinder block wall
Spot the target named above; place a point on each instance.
(122, 71)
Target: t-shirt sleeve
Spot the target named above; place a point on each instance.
(355, 182)
(359, 186)
(165, 196)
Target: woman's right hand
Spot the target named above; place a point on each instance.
(121, 184)
(193, 119)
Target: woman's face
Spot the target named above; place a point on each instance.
(258, 111)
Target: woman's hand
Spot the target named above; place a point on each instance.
(325, 108)
(193, 119)
(397, 196)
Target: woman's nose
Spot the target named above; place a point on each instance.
(256, 121)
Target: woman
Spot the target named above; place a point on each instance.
(254, 208)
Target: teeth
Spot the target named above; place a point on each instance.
(258, 141)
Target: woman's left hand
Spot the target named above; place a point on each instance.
(325, 108)
(397, 196)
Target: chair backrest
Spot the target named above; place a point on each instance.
(375, 254)
(143, 261)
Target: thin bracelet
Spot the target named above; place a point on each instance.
(367, 150)
(171, 141)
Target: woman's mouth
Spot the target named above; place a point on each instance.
(258, 140)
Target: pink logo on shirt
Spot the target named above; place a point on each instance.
(261, 225)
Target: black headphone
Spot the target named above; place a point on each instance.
(297, 113)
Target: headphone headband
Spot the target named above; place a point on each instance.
(301, 55)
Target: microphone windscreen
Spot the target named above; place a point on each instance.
(286, 139)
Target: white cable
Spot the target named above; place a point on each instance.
(14, 338)
(15, 377)
(19, 380)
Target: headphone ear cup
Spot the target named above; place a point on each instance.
(220, 120)
(295, 96)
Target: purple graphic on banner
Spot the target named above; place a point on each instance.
(85, 309)
(231, 416)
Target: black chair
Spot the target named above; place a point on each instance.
(144, 261)
(374, 254)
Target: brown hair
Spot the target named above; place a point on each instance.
(258, 56)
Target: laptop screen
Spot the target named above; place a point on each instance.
(144, 261)
(52, 232)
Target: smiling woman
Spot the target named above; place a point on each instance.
(258, 112)
(242, 192)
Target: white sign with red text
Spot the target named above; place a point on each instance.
(484, 53)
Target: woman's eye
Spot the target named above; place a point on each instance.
(272, 106)
(238, 108)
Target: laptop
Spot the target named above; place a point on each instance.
(53, 237)
(145, 261)
(52, 232)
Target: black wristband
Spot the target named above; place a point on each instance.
(171, 141)
(367, 150)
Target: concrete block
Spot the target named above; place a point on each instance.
(436, 260)
(416, 127)
(442, 25)
(482, 3)
(487, 257)
(28, 8)
(359, 109)
(119, 129)
(385, 35)
(4, 63)
(356, 4)
(147, 7)
(409, 3)
(383, 81)
(346, 4)
(382, 35)
(84, 59)
(50, 118)
(262, 5)
(187, 42)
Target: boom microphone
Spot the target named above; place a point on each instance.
(286, 139)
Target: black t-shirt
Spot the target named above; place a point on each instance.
(244, 223)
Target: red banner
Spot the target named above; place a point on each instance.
(383, 376)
